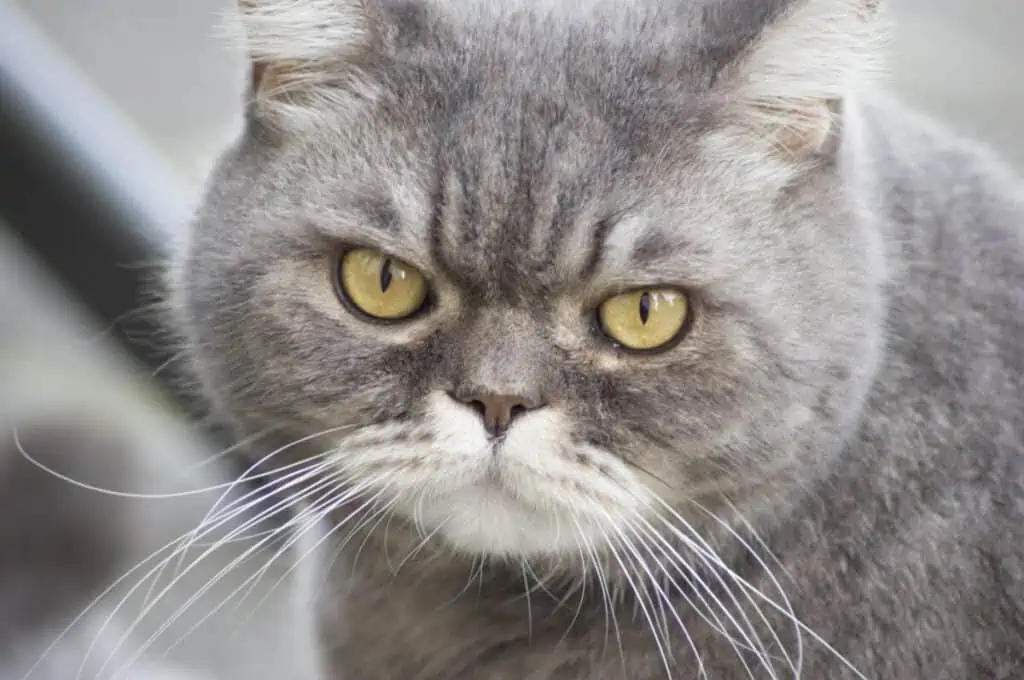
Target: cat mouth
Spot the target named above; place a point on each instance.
(497, 480)
(493, 477)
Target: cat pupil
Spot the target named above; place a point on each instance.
(645, 308)
(385, 276)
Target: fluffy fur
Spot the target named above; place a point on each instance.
(821, 480)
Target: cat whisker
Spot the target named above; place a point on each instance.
(717, 564)
(164, 365)
(234, 447)
(610, 619)
(752, 592)
(757, 538)
(540, 583)
(417, 511)
(239, 506)
(582, 587)
(470, 579)
(306, 520)
(95, 602)
(638, 598)
(331, 505)
(287, 502)
(146, 645)
(385, 512)
(707, 555)
(307, 470)
(651, 540)
(110, 492)
(641, 595)
(144, 648)
(235, 563)
(227, 487)
(232, 541)
(170, 546)
(796, 664)
(286, 477)
(418, 547)
(727, 579)
(529, 603)
(245, 476)
(376, 516)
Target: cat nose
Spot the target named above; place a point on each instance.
(498, 410)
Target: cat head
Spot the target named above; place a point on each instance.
(539, 272)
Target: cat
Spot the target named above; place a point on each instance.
(62, 545)
(620, 339)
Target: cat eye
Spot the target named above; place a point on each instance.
(381, 286)
(644, 319)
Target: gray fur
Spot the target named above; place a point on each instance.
(842, 423)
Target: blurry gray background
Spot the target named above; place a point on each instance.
(162, 64)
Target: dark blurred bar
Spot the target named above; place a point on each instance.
(81, 188)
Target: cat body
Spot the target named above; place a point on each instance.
(816, 474)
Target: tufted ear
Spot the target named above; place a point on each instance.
(298, 46)
(787, 83)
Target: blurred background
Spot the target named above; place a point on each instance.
(111, 113)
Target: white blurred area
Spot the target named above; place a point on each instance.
(161, 62)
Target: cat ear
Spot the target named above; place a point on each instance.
(296, 46)
(788, 84)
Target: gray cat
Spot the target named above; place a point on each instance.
(621, 339)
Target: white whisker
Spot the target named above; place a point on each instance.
(221, 574)
(416, 550)
(679, 564)
(123, 494)
(529, 601)
(333, 505)
(240, 506)
(639, 600)
(287, 502)
(717, 568)
(306, 520)
(610, 619)
(583, 594)
(787, 606)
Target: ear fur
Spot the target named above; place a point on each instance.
(296, 45)
(788, 84)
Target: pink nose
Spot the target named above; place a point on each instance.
(498, 410)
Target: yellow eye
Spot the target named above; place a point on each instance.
(644, 319)
(381, 286)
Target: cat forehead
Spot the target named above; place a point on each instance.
(514, 192)
(501, 139)
(536, 192)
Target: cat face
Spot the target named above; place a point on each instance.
(536, 280)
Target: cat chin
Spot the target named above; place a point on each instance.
(487, 521)
(528, 495)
